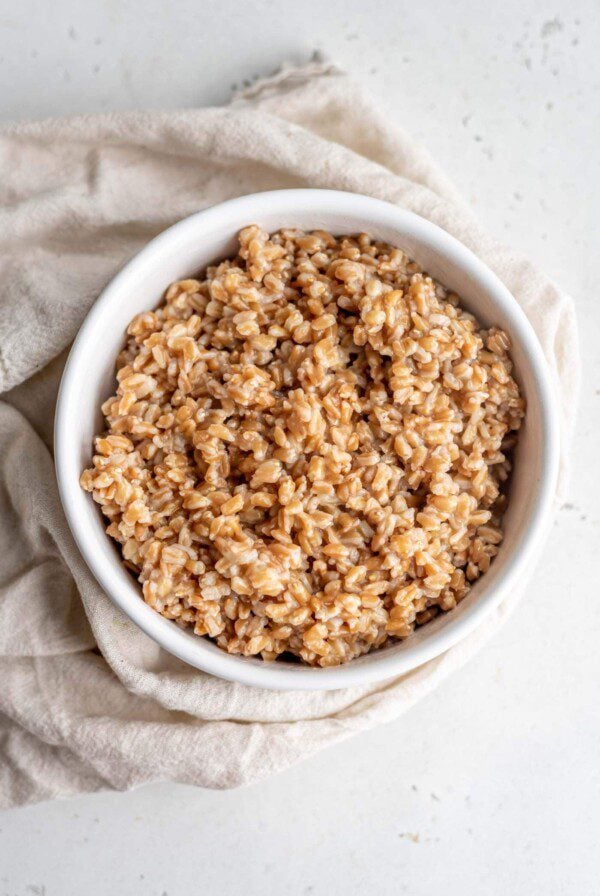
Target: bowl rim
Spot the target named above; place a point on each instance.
(386, 664)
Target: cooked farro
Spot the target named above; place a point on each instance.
(307, 449)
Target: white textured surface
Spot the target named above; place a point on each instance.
(492, 785)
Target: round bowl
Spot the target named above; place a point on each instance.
(208, 236)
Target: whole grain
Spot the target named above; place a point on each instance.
(308, 448)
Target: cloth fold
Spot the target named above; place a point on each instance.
(88, 701)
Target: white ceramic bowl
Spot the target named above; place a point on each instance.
(210, 235)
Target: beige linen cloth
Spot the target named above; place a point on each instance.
(87, 701)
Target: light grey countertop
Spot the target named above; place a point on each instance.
(492, 784)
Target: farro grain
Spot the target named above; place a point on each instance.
(308, 448)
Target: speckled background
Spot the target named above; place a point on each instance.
(491, 785)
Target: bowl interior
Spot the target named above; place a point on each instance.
(185, 250)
